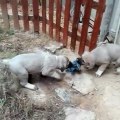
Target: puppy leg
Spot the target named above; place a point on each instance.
(101, 69)
(24, 82)
(56, 74)
(51, 73)
(117, 64)
(22, 75)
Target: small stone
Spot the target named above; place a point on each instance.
(83, 83)
(63, 94)
(79, 114)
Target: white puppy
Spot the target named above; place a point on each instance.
(39, 62)
(102, 55)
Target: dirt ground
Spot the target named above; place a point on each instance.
(44, 104)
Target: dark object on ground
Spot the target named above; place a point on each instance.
(74, 66)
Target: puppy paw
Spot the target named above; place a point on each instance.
(36, 88)
(117, 71)
(99, 73)
(31, 86)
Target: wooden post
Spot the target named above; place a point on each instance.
(51, 4)
(5, 13)
(44, 16)
(58, 18)
(66, 22)
(75, 23)
(36, 15)
(25, 14)
(85, 26)
(15, 14)
(97, 23)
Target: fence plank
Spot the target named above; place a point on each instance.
(36, 15)
(24, 4)
(44, 16)
(15, 14)
(66, 22)
(85, 26)
(5, 13)
(51, 5)
(97, 23)
(75, 23)
(58, 19)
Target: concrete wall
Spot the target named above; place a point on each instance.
(115, 16)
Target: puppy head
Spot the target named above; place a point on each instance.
(88, 59)
(63, 62)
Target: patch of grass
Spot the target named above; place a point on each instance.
(10, 32)
(2, 102)
(4, 34)
(17, 106)
(1, 30)
(7, 54)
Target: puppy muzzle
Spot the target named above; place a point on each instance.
(62, 69)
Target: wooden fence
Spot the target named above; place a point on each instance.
(59, 24)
